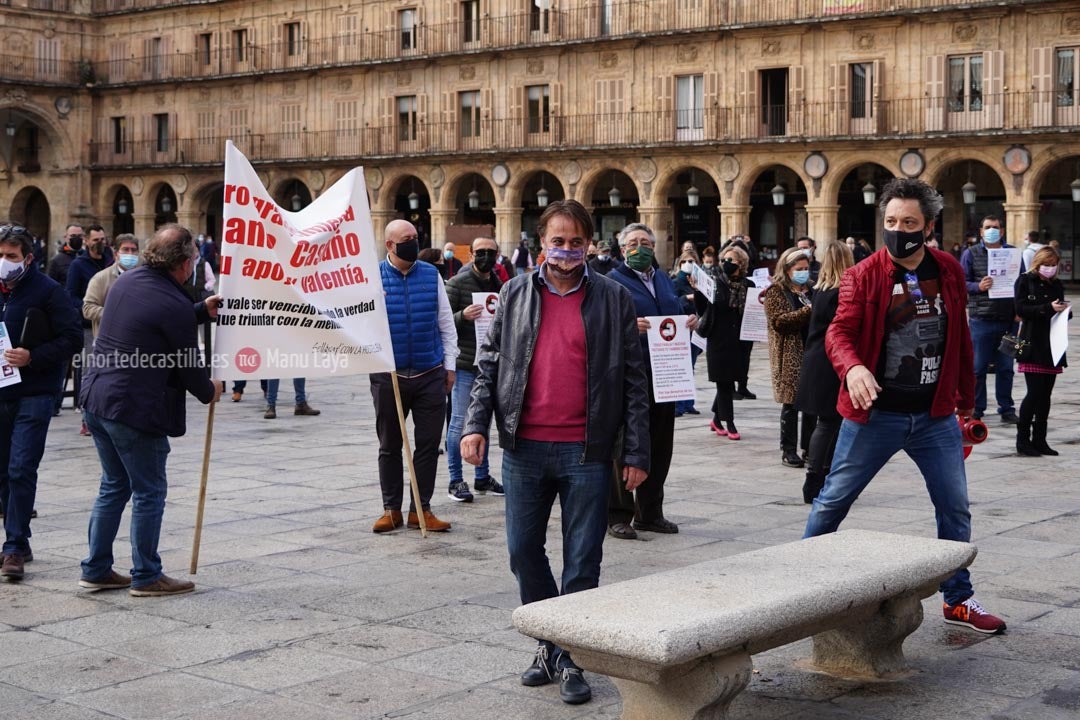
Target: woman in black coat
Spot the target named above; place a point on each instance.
(818, 384)
(724, 353)
(1039, 297)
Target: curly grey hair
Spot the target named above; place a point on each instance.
(633, 227)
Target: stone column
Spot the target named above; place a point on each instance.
(508, 228)
(440, 220)
(144, 225)
(379, 220)
(1020, 219)
(821, 222)
(734, 220)
(871, 646)
(659, 219)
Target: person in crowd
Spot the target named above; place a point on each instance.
(708, 260)
(1039, 296)
(956, 250)
(591, 253)
(563, 373)
(971, 239)
(425, 355)
(850, 242)
(92, 259)
(126, 248)
(684, 288)
(1031, 246)
(44, 331)
(808, 246)
(933, 242)
(134, 407)
(202, 281)
(208, 253)
(299, 390)
(990, 319)
(901, 348)
(69, 250)
(503, 268)
(688, 248)
(522, 259)
(433, 256)
(787, 310)
(38, 249)
(819, 387)
(477, 276)
(1056, 245)
(653, 294)
(862, 250)
(724, 352)
(603, 263)
(450, 261)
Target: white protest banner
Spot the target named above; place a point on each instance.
(669, 355)
(701, 342)
(704, 283)
(303, 294)
(1003, 264)
(754, 325)
(489, 303)
(9, 374)
(1059, 335)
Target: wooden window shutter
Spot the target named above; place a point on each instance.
(877, 97)
(796, 100)
(557, 121)
(449, 131)
(935, 93)
(423, 128)
(994, 88)
(600, 129)
(664, 127)
(519, 119)
(487, 112)
(839, 113)
(712, 104)
(747, 110)
(1042, 83)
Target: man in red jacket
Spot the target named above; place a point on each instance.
(901, 347)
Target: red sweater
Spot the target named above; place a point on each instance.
(854, 337)
(556, 392)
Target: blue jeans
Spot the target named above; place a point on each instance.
(463, 382)
(935, 446)
(299, 385)
(24, 423)
(132, 468)
(534, 473)
(986, 338)
(684, 406)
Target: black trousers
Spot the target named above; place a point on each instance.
(823, 443)
(746, 347)
(789, 428)
(425, 397)
(1036, 404)
(649, 502)
(724, 406)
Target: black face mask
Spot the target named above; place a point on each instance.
(903, 244)
(407, 251)
(75, 243)
(484, 260)
(730, 268)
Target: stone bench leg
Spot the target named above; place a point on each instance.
(871, 646)
(697, 691)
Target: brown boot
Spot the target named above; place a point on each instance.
(390, 520)
(432, 523)
(271, 413)
(305, 409)
(12, 567)
(164, 585)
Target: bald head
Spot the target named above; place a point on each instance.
(396, 229)
(402, 244)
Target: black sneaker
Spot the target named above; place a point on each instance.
(488, 485)
(541, 671)
(459, 492)
(573, 688)
(791, 459)
(746, 394)
(1009, 418)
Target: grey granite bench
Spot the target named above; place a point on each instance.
(678, 643)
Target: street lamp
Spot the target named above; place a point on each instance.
(969, 191)
(869, 194)
(474, 199)
(542, 197)
(777, 194)
(614, 197)
(121, 207)
(10, 128)
(414, 201)
(1075, 187)
(166, 204)
(297, 202)
(693, 195)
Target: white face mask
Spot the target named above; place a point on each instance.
(11, 271)
(687, 267)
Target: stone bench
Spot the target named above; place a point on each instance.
(678, 643)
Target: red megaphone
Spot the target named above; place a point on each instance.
(972, 432)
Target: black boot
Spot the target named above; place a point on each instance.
(791, 459)
(1023, 439)
(1039, 428)
(812, 486)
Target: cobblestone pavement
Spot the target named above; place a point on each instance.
(302, 612)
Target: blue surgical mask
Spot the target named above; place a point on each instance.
(128, 261)
(800, 277)
(448, 254)
(992, 236)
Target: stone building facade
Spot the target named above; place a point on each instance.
(702, 118)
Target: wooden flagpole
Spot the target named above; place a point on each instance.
(202, 489)
(408, 457)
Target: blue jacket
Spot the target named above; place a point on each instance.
(51, 351)
(82, 268)
(412, 308)
(666, 301)
(146, 356)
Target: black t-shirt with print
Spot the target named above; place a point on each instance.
(914, 342)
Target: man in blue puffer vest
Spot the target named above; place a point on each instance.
(425, 355)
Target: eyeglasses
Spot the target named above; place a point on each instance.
(7, 231)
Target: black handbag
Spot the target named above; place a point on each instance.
(1014, 346)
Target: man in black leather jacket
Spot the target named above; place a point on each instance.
(563, 371)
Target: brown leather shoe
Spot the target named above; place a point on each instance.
(164, 585)
(271, 413)
(12, 567)
(390, 520)
(305, 409)
(237, 396)
(432, 523)
(112, 581)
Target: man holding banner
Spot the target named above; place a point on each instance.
(425, 354)
(561, 369)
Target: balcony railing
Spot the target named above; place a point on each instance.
(66, 6)
(38, 70)
(1008, 113)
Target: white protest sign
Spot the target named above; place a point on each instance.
(761, 278)
(1059, 335)
(489, 303)
(754, 325)
(701, 342)
(1003, 265)
(704, 283)
(9, 374)
(303, 294)
(669, 355)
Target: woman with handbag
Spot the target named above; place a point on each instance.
(819, 386)
(721, 324)
(787, 314)
(1039, 297)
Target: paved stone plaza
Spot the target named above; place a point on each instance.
(301, 612)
